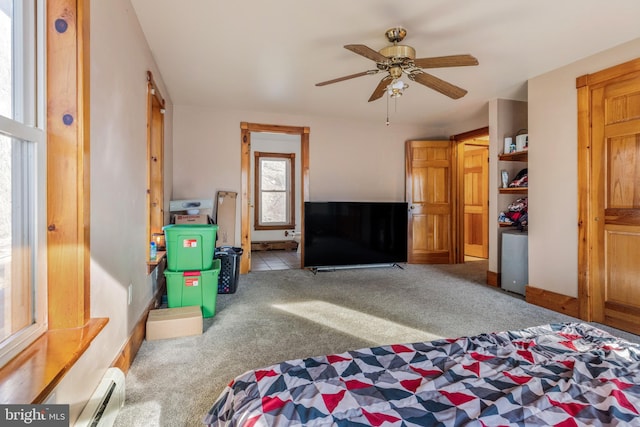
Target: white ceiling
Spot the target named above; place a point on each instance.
(268, 55)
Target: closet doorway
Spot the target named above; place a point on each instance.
(472, 218)
(248, 183)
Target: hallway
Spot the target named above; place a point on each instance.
(274, 260)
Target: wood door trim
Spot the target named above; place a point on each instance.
(472, 134)
(585, 85)
(245, 162)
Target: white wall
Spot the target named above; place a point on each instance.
(120, 59)
(553, 166)
(361, 161)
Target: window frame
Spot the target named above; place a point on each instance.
(290, 191)
(70, 329)
(27, 126)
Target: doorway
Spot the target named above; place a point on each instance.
(447, 189)
(472, 216)
(247, 185)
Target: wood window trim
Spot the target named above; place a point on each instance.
(155, 156)
(35, 372)
(292, 199)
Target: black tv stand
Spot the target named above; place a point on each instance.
(315, 270)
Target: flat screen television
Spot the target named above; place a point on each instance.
(354, 233)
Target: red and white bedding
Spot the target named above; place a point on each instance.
(554, 375)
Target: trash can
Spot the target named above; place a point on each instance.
(229, 257)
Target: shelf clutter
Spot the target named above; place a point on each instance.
(516, 214)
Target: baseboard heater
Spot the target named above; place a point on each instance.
(102, 408)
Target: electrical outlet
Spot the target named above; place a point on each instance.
(130, 292)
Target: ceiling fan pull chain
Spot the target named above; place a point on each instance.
(387, 92)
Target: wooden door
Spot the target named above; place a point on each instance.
(476, 201)
(428, 193)
(612, 200)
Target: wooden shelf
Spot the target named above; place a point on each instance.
(504, 225)
(513, 190)
(34, 373)
(518, 156)
(151, 264)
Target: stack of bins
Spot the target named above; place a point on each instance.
(192, 273)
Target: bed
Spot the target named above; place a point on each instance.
(569, 374)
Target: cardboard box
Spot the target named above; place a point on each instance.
(192, 219)
(226, 218)
(175, 322)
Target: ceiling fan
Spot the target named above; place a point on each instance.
(398, 59)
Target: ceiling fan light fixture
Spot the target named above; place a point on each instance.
(396, 88)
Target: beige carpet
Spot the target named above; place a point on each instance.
(289, 314)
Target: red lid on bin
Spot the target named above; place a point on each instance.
(191, 273)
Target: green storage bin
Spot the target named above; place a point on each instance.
(190, 247)
(185, 288)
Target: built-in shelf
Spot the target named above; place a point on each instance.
(513, 190)
(518, 156)
(153, 263)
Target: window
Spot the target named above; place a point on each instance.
(274, 187)
(22, 176)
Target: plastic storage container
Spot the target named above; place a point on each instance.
(190, 247)
(229, 268)
(185, 288)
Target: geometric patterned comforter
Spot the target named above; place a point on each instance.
(554, 375)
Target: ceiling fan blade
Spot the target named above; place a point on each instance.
(367, 52)
(446, 61)
(445, 88)
(351, 76)
(381, 88)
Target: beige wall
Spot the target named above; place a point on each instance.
(362, 161)
(120, 59)
(553, 233)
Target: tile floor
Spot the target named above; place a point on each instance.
(274, 260)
